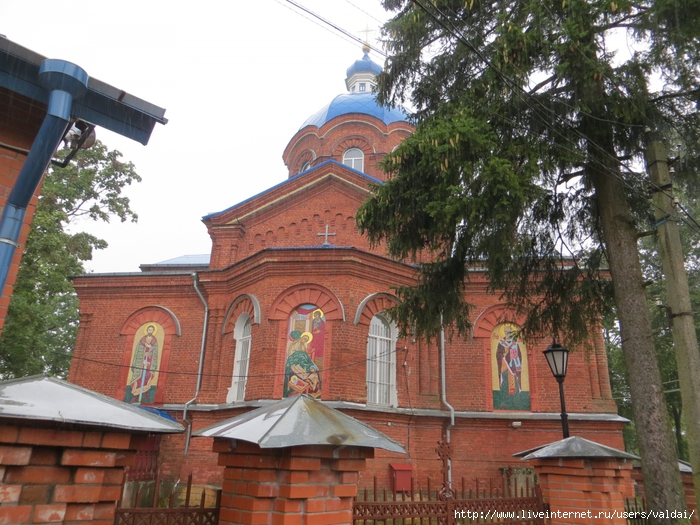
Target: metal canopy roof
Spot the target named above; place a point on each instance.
(49, 399)
(102, 105)
(183, 260)
(574, 447)
(300, 420)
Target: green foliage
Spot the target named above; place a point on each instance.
(42, 320)
(522, 107)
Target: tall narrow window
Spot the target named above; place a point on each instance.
(355, 159)
(240, 360)
(381, 362)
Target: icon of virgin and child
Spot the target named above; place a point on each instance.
(305, 341)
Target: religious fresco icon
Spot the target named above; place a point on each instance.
(305, 344)
(145, 364)
(510, 377)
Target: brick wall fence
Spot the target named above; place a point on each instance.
(686, 477)
(313, 484)
(62, 473)
(587, 483)
(574, 486)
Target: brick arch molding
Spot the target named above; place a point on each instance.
(352, 142)
(245, 302)
(158, 314)
(307, 155)
(492, 317)
(171, 327)
(307, 294)
(372, 305)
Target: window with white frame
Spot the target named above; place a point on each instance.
(241, 358)
(354, 158)
(381, 362)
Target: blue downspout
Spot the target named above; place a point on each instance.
(64, 81)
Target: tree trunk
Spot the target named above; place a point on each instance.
(662, 478)
(676, 413)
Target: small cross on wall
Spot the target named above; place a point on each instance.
(326, 235)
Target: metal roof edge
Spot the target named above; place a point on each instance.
(424, 412)
(286, 181)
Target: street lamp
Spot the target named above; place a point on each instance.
(558, 359)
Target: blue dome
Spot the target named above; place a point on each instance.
(364, 103)
(364, 64)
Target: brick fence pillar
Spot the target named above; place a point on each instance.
(301, 485)
(72, 476)
(583, 490)
(686, 477)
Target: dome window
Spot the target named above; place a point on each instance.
(363, 86)
(355, 159)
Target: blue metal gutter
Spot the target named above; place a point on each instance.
(102, 105)
(64, 82)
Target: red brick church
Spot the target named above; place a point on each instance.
(292, 301)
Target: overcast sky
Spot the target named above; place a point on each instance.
(237, 79)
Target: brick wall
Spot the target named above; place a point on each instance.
(348, 276)
(314, 485)
(53, 474)
(688, 488)
(20, 119)
(369, 134)
(577, 490)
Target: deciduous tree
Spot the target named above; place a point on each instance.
(42, 320)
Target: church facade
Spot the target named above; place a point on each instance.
(292, 301)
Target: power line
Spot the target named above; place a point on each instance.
(334, 26)
(248, 376)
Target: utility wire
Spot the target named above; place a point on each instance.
(266, 375)
(334, 26)
(281, 2)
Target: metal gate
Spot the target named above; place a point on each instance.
(172, 514)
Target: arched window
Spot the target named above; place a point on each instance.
(305, 166)
(241, 334)
(381, 362)
(355, 159)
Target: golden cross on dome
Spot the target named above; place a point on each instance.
(326, 235)
(367, 31)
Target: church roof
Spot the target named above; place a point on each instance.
(361, 78)
(292, 180)
(199, 259)
(364, 103)
(365, 64)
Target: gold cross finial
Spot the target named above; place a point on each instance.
(367, 31)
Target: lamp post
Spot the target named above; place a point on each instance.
(558, 359)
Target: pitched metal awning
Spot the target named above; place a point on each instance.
(574, 447)
(300, 420)
(49, 399)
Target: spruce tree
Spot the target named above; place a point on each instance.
(527, 161)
